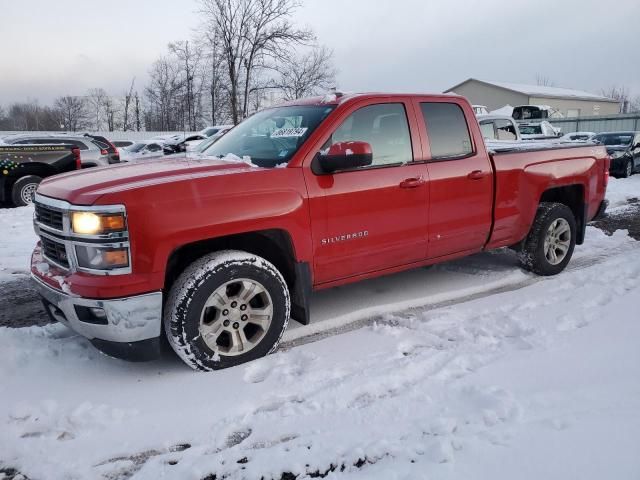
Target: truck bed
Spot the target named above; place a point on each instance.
(523, 175)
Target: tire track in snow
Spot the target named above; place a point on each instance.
(575, 264)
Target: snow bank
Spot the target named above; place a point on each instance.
(621, 190)
(16, 241)
(536, 382)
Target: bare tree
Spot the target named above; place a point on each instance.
(73, 112)
(95, 106)
(110, 113)
(544, 81)
(164, 110)
(306, 74)
(621, 94)
(218, 86)
(29, 116)
(137, 111)
(128, 97)
(189, 57)
(251, 32)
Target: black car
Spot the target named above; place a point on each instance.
(179, 144)
(624, 149)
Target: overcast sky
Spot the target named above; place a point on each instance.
(50, 48)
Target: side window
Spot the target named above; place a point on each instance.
(447, 130)
(384, 127)
(506, 130)
(487, 130)
(154, 147)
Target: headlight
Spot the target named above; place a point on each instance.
(90, 223)
(102, 258)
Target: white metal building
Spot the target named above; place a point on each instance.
(571, 103)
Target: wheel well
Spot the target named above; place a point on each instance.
(272, 245)
(573, 197)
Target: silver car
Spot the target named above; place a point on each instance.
(92, 154)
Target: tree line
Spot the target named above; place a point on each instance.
(243, 56)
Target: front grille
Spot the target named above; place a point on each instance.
(49, 217)
(55, 251)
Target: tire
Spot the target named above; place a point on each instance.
(207, 321)
(628, 169)
(541, 257)
(23, 190)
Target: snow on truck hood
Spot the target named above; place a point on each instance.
(84, 187)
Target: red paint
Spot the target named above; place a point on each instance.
(347, 226)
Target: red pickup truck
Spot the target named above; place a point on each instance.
(220, 251)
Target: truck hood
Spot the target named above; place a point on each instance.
(84, 187)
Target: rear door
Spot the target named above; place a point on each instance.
(372, 218)
(460, 178)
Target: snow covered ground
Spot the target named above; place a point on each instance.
(472, 369)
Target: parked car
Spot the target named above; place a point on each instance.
(22, 168)
(499, 128)
(219, 253)
(142, 150)
(538, 131)
(577, 137)
(535, 112)
(201, 147)
(624, 148)
(93, 152)
(210, 131)
(179, 144)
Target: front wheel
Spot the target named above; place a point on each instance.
(628, 169)
(225, 309)
(551, 240)
(24, 189)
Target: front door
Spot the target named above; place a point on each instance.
(370, 218)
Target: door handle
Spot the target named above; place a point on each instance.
(412, 182)
(477, 175)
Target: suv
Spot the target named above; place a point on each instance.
(95, 151)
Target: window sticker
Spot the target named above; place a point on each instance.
(289, 132)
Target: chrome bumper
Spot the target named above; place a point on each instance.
(126, 320)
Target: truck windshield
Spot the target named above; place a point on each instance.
(271, 137)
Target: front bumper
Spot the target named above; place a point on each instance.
(127, 323)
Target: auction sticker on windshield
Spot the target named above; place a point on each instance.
(289, 132)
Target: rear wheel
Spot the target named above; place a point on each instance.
(225, 309)
(24, 189)
(551, 240)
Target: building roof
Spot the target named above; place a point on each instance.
(541, 91)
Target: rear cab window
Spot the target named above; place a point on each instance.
(447, 130)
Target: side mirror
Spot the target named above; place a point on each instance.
(343, 156)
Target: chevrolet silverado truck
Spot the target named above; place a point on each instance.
(22, 168)
(215, 253)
